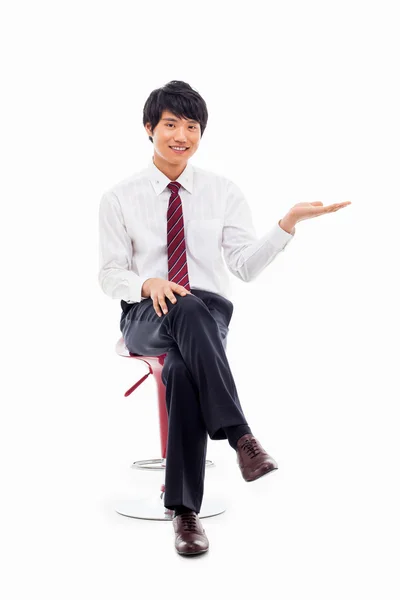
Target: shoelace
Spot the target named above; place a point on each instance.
(250, 446)
(189, 521)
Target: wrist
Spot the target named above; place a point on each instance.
(144, 291)
(288, 224)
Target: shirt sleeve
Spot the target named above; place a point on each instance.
(245, 254)
(116, 277)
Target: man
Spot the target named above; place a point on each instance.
(167, 234)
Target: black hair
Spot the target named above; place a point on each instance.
(180, 99)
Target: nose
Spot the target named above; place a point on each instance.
(180, 134)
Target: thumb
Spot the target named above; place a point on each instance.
(317, 203)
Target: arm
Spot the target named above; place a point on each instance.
(116, 277)
(245, 254)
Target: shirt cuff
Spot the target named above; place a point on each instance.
(278, 237)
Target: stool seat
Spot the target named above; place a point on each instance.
(122, 350)
(152, 508)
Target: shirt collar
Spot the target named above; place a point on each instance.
(160, 181)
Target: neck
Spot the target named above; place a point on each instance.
(171, 171)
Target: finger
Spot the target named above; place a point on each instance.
(161, 301)
(335, 207)
(179, 289)
(156, 307)
(171, 296)
(339, 205)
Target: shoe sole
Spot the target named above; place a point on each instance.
(192, 553)
(261, 474)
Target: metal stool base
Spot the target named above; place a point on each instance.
(152, 508)
(158, 464)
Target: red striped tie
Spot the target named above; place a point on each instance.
(177, 265)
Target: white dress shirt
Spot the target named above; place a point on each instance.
(218, 227)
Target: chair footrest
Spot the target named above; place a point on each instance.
(158, 464)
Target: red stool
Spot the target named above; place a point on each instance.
(153, 507)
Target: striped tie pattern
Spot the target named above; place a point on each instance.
(177, 265)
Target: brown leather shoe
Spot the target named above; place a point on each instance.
(253, 461)
(190, 536)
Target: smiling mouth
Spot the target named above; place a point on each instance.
(180, 150)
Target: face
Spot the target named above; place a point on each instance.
(171, 131)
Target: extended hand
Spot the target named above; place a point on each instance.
(309, 210)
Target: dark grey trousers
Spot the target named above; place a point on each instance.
(201, 395)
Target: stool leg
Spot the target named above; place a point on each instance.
(162, 412)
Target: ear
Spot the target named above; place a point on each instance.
(148, 129)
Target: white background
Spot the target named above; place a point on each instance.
(303, 104)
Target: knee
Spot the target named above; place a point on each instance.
(190, 303)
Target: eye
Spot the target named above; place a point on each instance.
(172, 125)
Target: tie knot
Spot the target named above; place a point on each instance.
(174, 186)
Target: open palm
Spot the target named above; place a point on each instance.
(309, 210)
